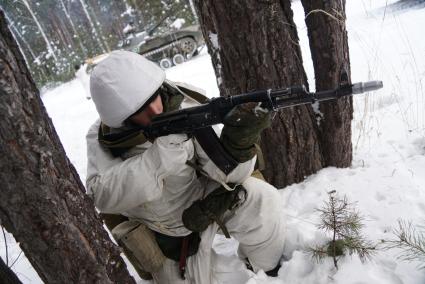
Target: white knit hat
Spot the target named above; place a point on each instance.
(121, 84)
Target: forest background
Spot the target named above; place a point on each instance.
(57, 36)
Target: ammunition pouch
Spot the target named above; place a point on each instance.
(140, 242)
(147, 250)
(150, 249)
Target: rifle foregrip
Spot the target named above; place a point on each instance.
(364, 87)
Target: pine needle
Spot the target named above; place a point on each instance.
(341, 219)
(410, 241)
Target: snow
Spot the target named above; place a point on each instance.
(178, 23)
(83, 79)
(129, 11)
(214, 40)
(128, 28)
(386, 178)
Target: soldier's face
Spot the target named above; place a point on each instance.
(153, 109)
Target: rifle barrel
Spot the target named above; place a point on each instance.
(364, 87)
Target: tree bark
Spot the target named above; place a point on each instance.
(254, 45)
(43, 203)
(325, 20)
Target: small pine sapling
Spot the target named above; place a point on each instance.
(410, 241)
(339, 218)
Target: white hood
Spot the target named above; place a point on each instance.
(121, 84)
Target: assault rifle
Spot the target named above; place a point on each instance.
(196, 120)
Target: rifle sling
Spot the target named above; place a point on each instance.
(208, 139)
(212, 146)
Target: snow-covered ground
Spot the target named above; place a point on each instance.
(387, 176)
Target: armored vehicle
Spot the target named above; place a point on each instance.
(167, 49)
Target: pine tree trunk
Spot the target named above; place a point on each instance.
(254, 45)
(6, 274)
(325, 20)
(43, 203)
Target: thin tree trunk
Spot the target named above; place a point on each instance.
(46, 40)
(57, 30)
(254, 45)
(138, 10)
(92, 25)
(43, 203)
(16, 35)
(327, 34)
(98, 24)
(192, 8)
(36, 69)
(74, 30)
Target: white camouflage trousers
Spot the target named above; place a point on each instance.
(257, 224)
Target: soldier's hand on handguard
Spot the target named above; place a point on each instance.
(242, 128)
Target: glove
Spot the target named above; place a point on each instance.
(242, 128)
(204, 212)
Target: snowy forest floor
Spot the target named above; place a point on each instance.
(387, 177)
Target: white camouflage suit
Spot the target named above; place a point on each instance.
(153, 184)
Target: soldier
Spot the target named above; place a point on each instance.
(164, 199)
